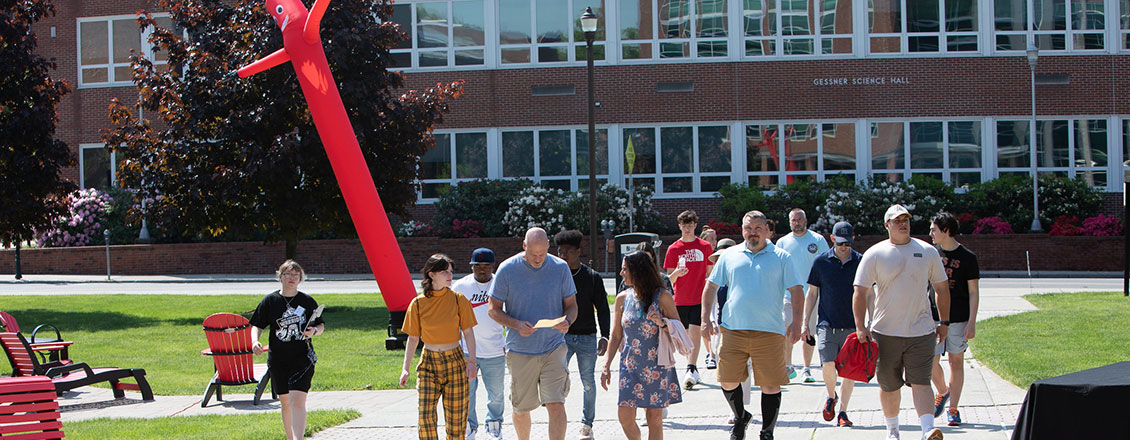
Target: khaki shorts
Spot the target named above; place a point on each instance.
(766, 351)
(913, 355)
(538, 380)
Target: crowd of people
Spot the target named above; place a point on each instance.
(743, 306)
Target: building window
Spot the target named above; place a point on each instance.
(673, 29)
(888, 151)
(813, 27)
(938, 26)
(1058, 25)
(105, 45)
(547, 31)
(806, 151)
(554, 158)
(690, 160)
(440, 34)
(439, 172)
(1070, 148)
(1124, 24)
(97, 166)
(1126, 150)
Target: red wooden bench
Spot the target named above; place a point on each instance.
(229, 345)
(47, 349)
(70, 376)
(28, 410)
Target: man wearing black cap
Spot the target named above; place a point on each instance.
(489, 344)
(830, 284)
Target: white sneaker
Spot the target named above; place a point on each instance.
(585, 433)
(494, 430)
(933, 434)
(808, 376)
(692, 379)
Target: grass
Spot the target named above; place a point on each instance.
(1070, 332)
(163, 335)
(244, 426)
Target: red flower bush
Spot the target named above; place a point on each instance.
(723, 228)
(992, 225)
(466, 228)
(1066, 225)
(1102, 225)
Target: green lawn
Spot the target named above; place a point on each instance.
(244, 426)
(1070, 332)
(163, 335)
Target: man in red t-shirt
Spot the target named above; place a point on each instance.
(687, 268)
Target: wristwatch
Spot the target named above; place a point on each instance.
(943, 323)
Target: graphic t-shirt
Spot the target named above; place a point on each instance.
(961, 266)
(804, 249)
(489, 340)
(688, 288)
(285, 318)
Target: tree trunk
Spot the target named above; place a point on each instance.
(291, 246)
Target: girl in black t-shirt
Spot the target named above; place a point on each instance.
(285, 313)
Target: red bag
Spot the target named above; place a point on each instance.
(857, 361)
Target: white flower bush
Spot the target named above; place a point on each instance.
(536, 206)
(555, 210)
(865, 205)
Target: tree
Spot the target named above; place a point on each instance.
(30, 157)
(241, 156)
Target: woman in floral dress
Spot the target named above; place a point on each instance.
(640, 313)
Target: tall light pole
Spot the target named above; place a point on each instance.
(1033, 55)
(588, 25)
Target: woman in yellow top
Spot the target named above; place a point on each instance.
(437, 316)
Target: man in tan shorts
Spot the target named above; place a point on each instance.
(900, 267)
(757, 274)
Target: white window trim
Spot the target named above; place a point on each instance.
(82, 164)
(146, 49)
(1031, 34)
(941, 34)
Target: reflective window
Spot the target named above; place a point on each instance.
(690, 159)
(455, 157)
(928, 26)
(640, 144)
(440, 34)
(550, 157)
(96, 169)
(807, 27)
(1013, 147)
(105, 47)
(1090, 151)
(674, 29)
(792, 152)
(1052, 147)
(762, 159)
(1076, 148)
(887, 150)
(839, 147)
(547, 31)
(1124, 24)
(1053, 24)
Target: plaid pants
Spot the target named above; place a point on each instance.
(442, 374)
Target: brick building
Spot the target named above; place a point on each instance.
(710, 92)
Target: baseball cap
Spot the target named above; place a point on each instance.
(722, 245)
(482, 256)
(894, 211)
(843, 232)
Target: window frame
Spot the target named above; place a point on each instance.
(453, 162)
(1069, 34)
(145, 48)
(415, 50)
(111, 157)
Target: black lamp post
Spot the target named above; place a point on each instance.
(1033, 53)
(588, 24)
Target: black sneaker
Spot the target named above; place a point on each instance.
(737, 432)
(766, 435)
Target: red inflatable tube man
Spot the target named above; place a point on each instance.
(302, 46)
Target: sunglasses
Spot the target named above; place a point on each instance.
(848, 244)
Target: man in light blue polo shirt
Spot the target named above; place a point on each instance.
(757, 274)
(529, 287)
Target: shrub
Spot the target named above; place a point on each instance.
(415, 229)
(865, 204)
(1066, 225)
(611, 204)
(466, 228)
(485, 201)
(738, 199)
(86, 212)
(536, 206)
(992, 225)
(1060, 196)
(723, 228)
(966, 221)
(1008, 197)
(1102, 225)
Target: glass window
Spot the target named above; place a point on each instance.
(964, 144)
(926, 148)
(714, 157)
(929, 26)
(801, 147)
(807, 27)
(642, 142)
(1091, 151)
(1052, 148)
(686, 29)
(548, 31)
(762, 156)
(555, 153)
(106, 45)
(887, 152)
(436, 165)
(471, 155)
(1124, 23)
(839, 147)
(517, 154)
(582, 143)
(96, 169)
(440, 34)
(1053, 24)
(1013, 147)
(676, 144)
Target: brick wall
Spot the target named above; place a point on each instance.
(995, 252)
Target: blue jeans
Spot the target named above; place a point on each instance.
(584, 346)
(492, 369)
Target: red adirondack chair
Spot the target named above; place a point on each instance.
(229, 344)
(47, 349)
(28, 409)
(68, 376)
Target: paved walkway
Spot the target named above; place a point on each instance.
(989, 404)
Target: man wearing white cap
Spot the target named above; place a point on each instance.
(900, 267)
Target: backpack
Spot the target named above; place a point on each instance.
(856, 360)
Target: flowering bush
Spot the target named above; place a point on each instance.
(466, 228)
(611, 204)
(1066, 225)
(485, 201)
(415, 229)
(966, 221)
(1102, 225)
(86, 211)
(864, 205)
(992, 225)
(536, 206)
(723, 228)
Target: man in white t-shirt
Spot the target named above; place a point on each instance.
(901, 267)
(490, 344)
(803, 246)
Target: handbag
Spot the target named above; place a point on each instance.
(857, 361)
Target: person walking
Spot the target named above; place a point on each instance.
(287, 314)
(964, 276)
(757, 275)
(529, 287)
(490, 345)
(900, 267)
(830, 286)
(581, 339)
(804, 245)
(641, 314)
(687, 267)
(439, 317)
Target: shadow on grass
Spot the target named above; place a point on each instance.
(28, 319)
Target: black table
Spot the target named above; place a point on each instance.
(1090, 404)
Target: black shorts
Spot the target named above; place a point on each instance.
(291, 374)
(690, 315)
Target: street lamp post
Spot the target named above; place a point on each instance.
(1033, 55)
(588, 25)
